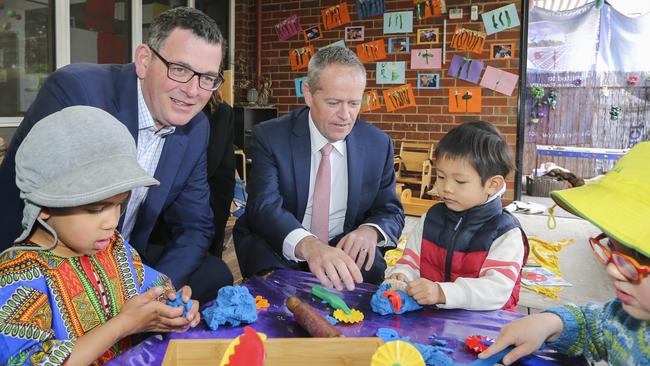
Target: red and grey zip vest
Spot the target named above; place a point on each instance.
(455, 244)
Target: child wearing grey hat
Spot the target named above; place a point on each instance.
(71, 289)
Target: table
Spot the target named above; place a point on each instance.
(277, 322)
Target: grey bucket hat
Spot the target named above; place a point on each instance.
(77, 156)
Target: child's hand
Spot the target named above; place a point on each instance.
(426, 292)
(144, 313)
(526, 335)
(397, 276)
(193, 315)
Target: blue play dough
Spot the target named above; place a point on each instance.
(382, 305)
(388, 335)
(331, 319)
(179, 302)
(234, 305)
(432, 355)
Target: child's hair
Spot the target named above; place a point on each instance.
(482, 145)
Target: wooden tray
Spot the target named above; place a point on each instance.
(279, 351)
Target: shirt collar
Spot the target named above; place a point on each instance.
(318, 140)
(145, 120)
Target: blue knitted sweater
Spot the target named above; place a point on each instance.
(603, 332)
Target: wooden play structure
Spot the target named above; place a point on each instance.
(414, 165)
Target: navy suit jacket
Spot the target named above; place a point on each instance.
(182, 199)
(278, 188)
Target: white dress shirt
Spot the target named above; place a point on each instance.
(149, 148)
(338, 196)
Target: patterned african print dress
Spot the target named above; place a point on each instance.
(47, 301)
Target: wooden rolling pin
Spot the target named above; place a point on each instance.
(313, 322)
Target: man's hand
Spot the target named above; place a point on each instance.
(426, 292)
(144, 313)
(330, 265)
(526, 335)
(360, 244)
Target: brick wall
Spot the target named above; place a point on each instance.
(429, 120)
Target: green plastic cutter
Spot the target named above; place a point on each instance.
(334, 301)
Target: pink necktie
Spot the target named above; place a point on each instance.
(320, 213)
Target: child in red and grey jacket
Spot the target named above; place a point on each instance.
(468, 251)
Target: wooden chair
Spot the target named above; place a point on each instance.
(414, 165)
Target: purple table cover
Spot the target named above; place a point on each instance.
(452, 326)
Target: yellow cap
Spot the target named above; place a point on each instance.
(619, 202)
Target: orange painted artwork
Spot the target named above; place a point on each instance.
(370, 101)
(399, 97)
(372, 51)
(299, 57)
(424, 9)
(465, 100)
(468, 40)
(335, 16)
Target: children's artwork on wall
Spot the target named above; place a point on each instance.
(298, 84)
(465, 69)
(503, 18)
(372, 51)
(426, 58)
(500, 81)
(465, 100)
(428, 36)
(429, 81)
(339, 43)
(399, 97)
(370, 101)
(398, 45)
(299, 57)
(391, 72)
(370, 8)
(354, 34)
(398, 22)
(424, 9)
(468, 40)
(312, 33)
(502, 51)
(288, 28)
(335, 16)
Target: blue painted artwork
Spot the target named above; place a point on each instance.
(503, 18)
(465, 69)
(370, 8)
(298, 83)
(398, 22)
(391, 72)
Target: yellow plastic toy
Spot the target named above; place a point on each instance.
(397, 353)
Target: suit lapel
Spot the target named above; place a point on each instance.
(301, 154)
(356, 154)
(126, 91)
(126, 110)
(168, 165)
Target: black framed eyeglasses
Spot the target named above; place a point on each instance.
(184, 74)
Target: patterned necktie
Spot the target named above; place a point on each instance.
(320, 212)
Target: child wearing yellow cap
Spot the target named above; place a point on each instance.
(617, 331)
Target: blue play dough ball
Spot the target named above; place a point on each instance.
(234, 305)
(179, 302)
(382, 305)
